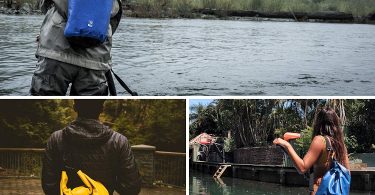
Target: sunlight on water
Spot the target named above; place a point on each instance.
(215, 57)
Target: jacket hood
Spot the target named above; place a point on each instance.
(86, 132)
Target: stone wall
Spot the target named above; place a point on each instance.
(259, 156)
(144, 157)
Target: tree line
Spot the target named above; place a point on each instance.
(184, 8)
(258, 122)
(29, 123)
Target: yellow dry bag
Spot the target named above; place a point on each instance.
(92, 187)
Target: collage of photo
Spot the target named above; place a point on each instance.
(187, 97)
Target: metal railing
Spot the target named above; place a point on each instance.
(170, 168)
(21, 162)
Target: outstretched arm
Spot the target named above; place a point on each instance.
(346, 160)
(303, 165)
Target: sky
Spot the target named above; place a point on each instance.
(204, 102)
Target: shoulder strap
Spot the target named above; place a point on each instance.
(329, 147)
(328, 143)
(311, 179)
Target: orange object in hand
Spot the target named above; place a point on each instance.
(289, 136)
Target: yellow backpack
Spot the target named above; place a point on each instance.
(92, 187)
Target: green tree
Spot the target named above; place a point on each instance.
(29, 123)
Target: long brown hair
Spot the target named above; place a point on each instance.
(327, 123)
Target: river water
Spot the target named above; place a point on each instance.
(204, 184)
(215, 57)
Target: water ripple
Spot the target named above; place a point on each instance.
(215, 57)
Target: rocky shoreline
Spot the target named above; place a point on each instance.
(253, 15)
(24, 9)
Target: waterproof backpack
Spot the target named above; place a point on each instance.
(88, 22)
(337, 179)
(92, 187)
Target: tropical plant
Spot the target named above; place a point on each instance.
(258, 122)
(229, 145)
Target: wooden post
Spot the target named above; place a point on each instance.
(282, 176)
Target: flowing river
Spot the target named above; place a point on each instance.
(215, 57)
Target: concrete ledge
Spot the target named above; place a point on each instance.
(363, 180)
(143, 147)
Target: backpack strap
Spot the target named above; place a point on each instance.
(311, 178)
(329, 147)
(111, 84)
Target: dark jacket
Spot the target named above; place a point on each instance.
(53, 44)
(88, 145)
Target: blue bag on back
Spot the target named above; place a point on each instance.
(88, 22)
(336, 180)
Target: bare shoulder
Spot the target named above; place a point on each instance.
(318, 142)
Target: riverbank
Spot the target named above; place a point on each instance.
(21, 9)
(206, 13)
(348, 11)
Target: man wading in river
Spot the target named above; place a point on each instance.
(89, 146)
(80, 58)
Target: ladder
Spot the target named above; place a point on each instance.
(220, 171)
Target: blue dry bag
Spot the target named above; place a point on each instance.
(88, 22)
(336, 180)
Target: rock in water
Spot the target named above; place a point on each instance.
(26, 7)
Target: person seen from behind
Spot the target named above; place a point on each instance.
(326, 127)
(78, 56)
(88, 145)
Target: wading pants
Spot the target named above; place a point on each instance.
(52, 78)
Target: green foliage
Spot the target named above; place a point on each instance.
(229, 145)
(303, 143)
(182, 8)
(29, 123)
(361, 124)
(161, 8)
(272, 5)
(351, 143)
(203, 119)
(153, 122)
(255, 4)
(258, 122)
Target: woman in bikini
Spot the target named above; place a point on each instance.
(326, 125)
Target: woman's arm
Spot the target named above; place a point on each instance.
(303, 165)
(346, 160)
